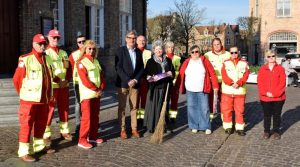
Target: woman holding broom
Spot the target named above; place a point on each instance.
(160, 74)
(196, 78)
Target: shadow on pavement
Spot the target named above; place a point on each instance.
(289, 118)
(253, 114)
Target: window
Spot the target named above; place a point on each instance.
(283, 8)
(57, 7)
(125, 18)
(283, 37)
(95, 21)
(227, 41)
(256, 8)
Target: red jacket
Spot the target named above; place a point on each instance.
(271, 81)
(209, 79)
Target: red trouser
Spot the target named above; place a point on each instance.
(89, 124)
(61, 98)
(230, 104)
(174, 98)
(143, 92)
(211, 98)
(32, 117)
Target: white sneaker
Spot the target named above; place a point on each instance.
(194, 130)
(207, 131)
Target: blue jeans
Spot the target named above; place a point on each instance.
(198, 110)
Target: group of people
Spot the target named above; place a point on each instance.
(146, 79)
(42, 82)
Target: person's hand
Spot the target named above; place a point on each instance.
(235, 85)
(99, 93)
(269, 94)
(216, 91)
(131, 83)
(169, 73)
(63, 83)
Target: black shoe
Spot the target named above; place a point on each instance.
(276, 136)
(228, 131)
(240, 132)
(267, 135)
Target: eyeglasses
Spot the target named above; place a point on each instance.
(270, 56)
(91, 49)
(234, 53)
(197, 51)
(56, 38)
(81, 41)
(131, 38)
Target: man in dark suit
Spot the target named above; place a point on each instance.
(129, 67)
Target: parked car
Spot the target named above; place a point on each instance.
(295, 60)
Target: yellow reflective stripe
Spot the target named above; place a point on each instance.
(23, 149)
(140, 113)
(38, 144)
(172, 113)
(239, 126)
(64, 127)
(47, 133)
(227, 125)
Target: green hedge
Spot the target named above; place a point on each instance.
(254, 69)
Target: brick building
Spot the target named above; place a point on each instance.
(105, 21)
(279, 26)
(203, 35)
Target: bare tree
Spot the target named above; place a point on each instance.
(189, 15)
(249, 27)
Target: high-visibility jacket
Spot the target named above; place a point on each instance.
(146, 56)
(176, 63)
(236, 72)
(94, 74)
(217, 61)
(75, 56)
(32, 84)
(60, 64)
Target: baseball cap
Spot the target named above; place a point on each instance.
(54, 33)
(39, 38)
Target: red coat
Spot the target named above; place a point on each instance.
(271, 81)
(209, 79)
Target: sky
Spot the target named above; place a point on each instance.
(219, 11)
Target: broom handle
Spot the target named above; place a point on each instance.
(167, 91)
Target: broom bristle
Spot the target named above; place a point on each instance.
(157, 136)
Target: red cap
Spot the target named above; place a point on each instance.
(39, 38)
(54, 33)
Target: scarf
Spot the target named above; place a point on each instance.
(162, 63)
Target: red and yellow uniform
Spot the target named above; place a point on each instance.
(61, 72)
(91, 82)
(143, 86)
(217, 60)
(32, 80)
(233, 99)
(174, 90)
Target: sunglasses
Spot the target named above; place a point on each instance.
(195, 52)
(81, 41)
(270, 56)
(92, 49)
(233, 53)
(56, 38)
(131, 38)
(42, 43)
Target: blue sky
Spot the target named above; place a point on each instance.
(221, 11)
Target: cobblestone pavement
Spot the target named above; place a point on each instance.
(182, 148)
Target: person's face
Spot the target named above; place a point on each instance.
(158, 51)
(39, 47)
(90, 50)
(130, 40)
(170, 49)
(217, 46)
(195, 53)
(53, 41)
(141, 42)
(271, 58)
(234, 52)
(80, 42)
